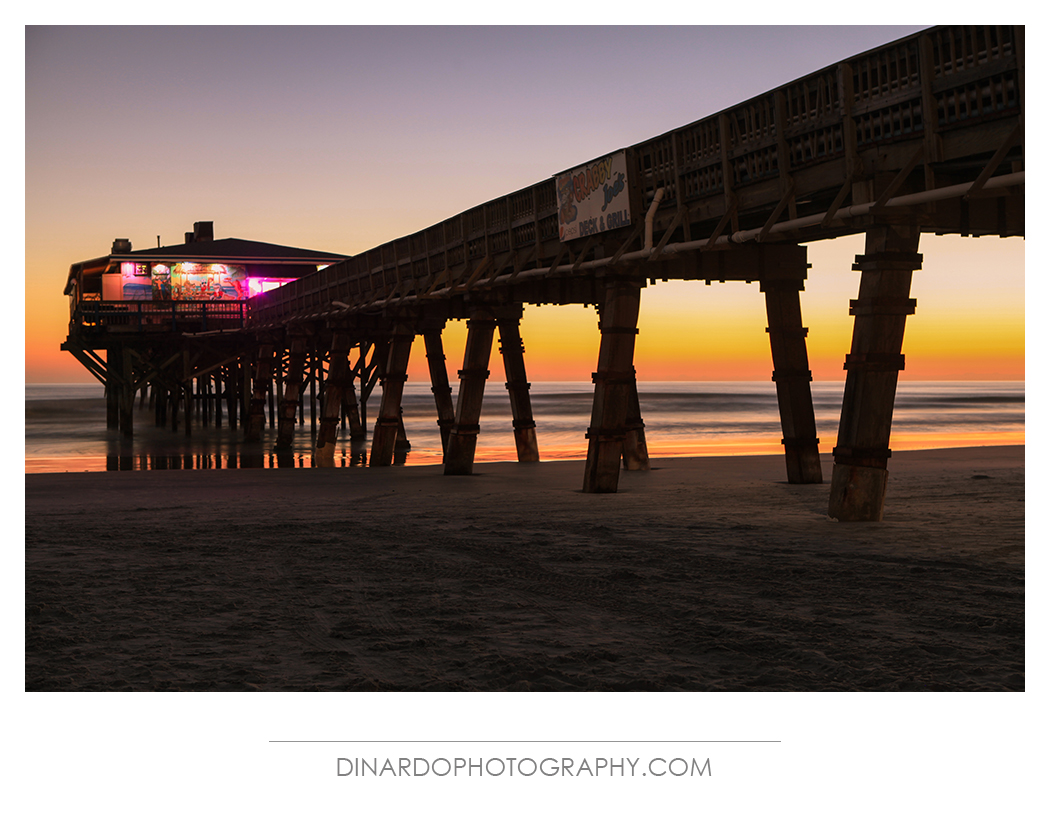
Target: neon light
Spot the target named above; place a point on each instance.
(257, 286)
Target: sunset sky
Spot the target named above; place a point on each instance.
(339, 139)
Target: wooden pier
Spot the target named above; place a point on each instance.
(923, 135)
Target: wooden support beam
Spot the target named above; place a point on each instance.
(351, 412)
(1019, 47)
(401, 441)
(339, 377)
(315, 367)
(127, 392)
(562, 249)
(87, 358)
(995, 161)
(245, 370)
(170, 399)
(588, 245)
(230, 381)
(301, 408)
(853, 168)
(214, 410)
(271, 404)
(439, 384)
(371, 371)
(463, 441)
(203, 405)
(788, 196)
(393, 377)
(513, 351)
(97, 366)
(898, 180)
(612, 386)
(787, 342)
(475, 274)
(440, 278)
(724, 136)
(216, 397)
(627, 242)
(509, 261)
(213, 366)
(179, 395)
(292, 385)
(635, 451)
(930, 127)
(186, 389)
(729, 214)
(522, 258)
(112, 372)
(159, 394)
(840, 197)
(859, 477)
(787, 182)
(164, 397)
(678, 218)
(158, 399)
(350, 415)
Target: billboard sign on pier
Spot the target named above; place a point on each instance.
(593, 198)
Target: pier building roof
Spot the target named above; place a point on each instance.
(199, 246)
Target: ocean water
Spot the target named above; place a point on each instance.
(65, 426)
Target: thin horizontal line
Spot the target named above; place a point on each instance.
(525, 741)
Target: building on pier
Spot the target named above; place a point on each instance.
(131, 310)
(138, 288)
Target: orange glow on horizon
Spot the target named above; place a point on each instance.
(963, 329)
(496, 452)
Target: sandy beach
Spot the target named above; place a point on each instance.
(703, 574)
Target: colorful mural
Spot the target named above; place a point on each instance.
(190, 281)
(208, 282)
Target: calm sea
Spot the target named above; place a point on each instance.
(66, 425)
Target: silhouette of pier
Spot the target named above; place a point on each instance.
(923, 135)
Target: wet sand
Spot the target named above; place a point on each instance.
(703, 574)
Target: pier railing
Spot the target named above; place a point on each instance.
(160, 316)
(952, 93)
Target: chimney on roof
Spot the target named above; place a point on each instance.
(203, 231)
(121, 245)
(189, 238)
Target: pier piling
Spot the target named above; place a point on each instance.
(612, 386)
(393, 376)
(463, 441)
(439, 385)
(782, 285)
(334, 398)
(859, 477)
(292, 386)
(513, 351)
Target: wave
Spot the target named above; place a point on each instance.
(68, 423)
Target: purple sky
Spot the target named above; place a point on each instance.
(342, 138)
